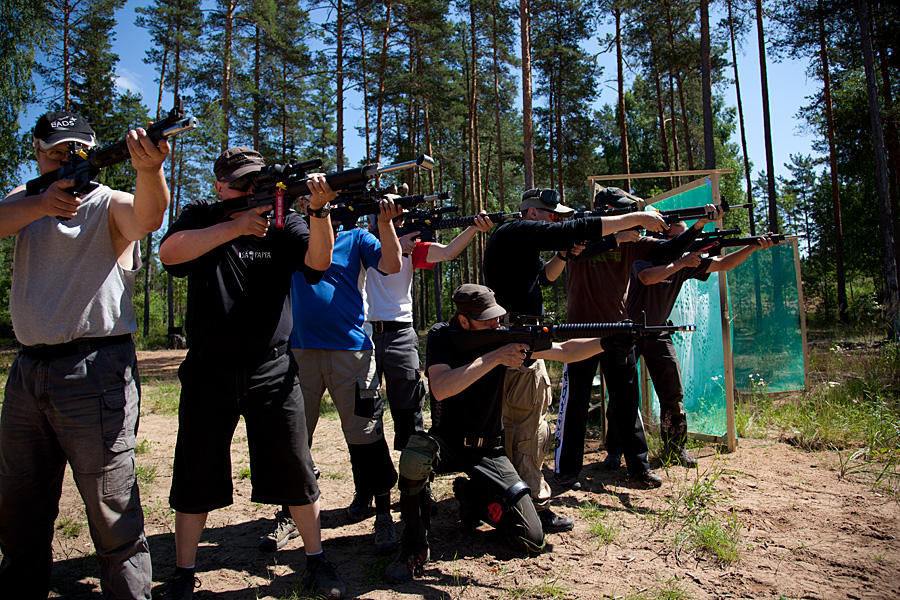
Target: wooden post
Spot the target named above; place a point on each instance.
(801, 307)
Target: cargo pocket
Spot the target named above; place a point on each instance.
(368, 403)
(118, 426)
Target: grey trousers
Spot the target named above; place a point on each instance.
(80, 409)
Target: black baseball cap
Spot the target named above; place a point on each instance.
(477, 302)
(63, 126)
(545, 200)
(236, 162)
(612, 197)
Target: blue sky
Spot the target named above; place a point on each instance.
(788, 91)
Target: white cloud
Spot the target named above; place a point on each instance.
(127, 80)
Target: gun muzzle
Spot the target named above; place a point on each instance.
(186, 124)
(424, 161)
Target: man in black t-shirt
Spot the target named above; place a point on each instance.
(238, 321)
(652, 292)
(467, 433)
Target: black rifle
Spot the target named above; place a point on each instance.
(670, 216)
(347, 214)
(539, 336)
(427, 221)
(731, 242)
(280, 185)
(84, 165)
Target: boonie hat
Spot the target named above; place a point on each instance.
(236, 162)
(612, 197)
(477, 302)
(63, 126)
(544, 200)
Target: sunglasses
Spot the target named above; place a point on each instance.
(242, 184)
(60, 155)
(548, 197)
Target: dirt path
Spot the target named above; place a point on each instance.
(803, 533)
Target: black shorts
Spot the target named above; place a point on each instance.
(214, 394)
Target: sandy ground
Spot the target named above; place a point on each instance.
(803, 531)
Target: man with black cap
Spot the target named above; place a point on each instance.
(73, 392)
(238, 321)
(467, 434)
(598, 286)
(513, 267)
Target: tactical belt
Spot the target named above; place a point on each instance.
(389, 326)
(77, 346)
(491, 442)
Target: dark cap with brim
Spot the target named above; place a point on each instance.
(544, 200)
(613, 198)
(477, 302)
(63, 126)
(236, 162)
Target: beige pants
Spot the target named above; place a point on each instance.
(526, 400)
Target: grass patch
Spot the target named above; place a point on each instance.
(693, 499)
(146, 474)
(713, 537)
(160, 396)
(548, 588)
(600, 523)
(667, 590)
(143, 447)
(69, 528)
(243, 473)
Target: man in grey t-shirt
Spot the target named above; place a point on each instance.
(72, 393)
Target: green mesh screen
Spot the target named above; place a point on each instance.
(766, 337)
(700, 352)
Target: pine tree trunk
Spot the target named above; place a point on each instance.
(497, 121)
(339, 85)
(890, 134)
(257, 81)
(381, 83)
(709, 145)
(226, 73)
(620, 76)
(527, 124)
(843, 308)
(892, 290)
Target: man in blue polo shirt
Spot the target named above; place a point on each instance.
(333, 352)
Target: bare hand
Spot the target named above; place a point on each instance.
(58, 201)
(630, 235)
(765, 241)
(482, 223)
(652, 221)
(253, 221)
(714, 212)
(388, 211)
(510, 355)
(320, 192)
(575, 250)
(145, 155)
(408, 242)
(690, 260)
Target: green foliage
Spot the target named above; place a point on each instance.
(601, 523)
(146, 474)
(160, 396)
(69, 528)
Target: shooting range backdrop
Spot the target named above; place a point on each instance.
(765, 346)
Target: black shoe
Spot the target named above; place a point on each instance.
(612, 462)
(554, 523)
(321, 579)
(283, 531)
(467, 515)
(647, 480)
(570, 482)
(362, 507)
(406, 567)
(386, 538)
(181, 586)
(684, 459)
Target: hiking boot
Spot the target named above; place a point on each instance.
(362, 507)
(684, 459)
(283, 531)
(554, 523)
(467, 515)
(570, 482)
(322, 580)
(406, 567)
(386, 537)
(646, 480)
(612, 462)
(181, 586)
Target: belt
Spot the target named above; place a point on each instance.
(491, 442)
(389, 326)
(76, 346)
(276, 352)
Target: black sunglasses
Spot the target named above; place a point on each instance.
(548, 197)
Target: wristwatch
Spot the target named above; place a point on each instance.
(562, 257)
(320, 213)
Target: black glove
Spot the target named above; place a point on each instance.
(621, 343)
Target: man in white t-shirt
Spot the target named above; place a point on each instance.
(389, 314)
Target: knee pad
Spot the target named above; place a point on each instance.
(416, 462)
(499, 508)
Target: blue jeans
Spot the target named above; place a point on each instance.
(81, 409)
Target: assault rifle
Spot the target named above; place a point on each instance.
(84, 165)
(280, 185)
(539, 336)
(347, 214)
(731, 242)
(427, 221)
(670, 216)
